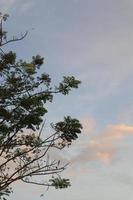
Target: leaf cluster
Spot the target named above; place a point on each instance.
(60, 183)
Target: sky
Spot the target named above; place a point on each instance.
(92, 40)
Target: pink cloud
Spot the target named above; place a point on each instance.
(103, 146)
(104, 156)
(88, 124)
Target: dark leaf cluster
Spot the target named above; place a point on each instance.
(69, 128)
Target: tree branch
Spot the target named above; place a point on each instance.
(15, 40)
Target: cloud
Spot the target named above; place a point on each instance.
(104, 147)
(116, 132)
(88, 124)
(27, 5)
(104, 156)
(6, 5)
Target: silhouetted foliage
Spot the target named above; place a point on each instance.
(24, 92)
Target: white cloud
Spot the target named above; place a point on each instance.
(27, 5)
(6, 5)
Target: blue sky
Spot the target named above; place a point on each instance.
(92, 40)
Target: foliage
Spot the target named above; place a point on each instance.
(24, 92)
(59, 182)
